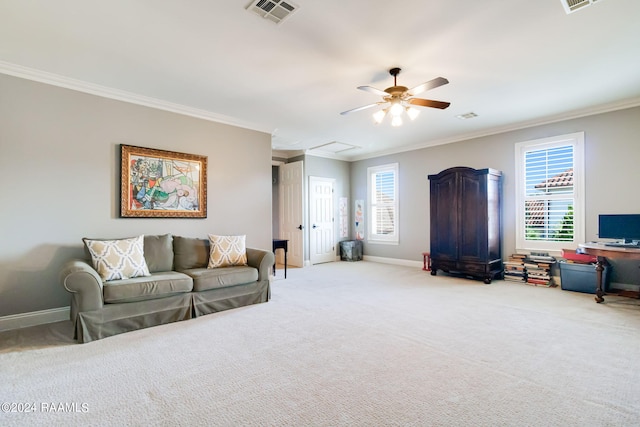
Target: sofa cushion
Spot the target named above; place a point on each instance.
(118, 259)
(158, 285)
(190, 253)
(158, 252)
(227, 251)
(213, 278)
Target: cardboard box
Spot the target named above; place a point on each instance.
(582, 277)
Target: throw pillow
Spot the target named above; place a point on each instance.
(158, 252)
(227, 251)
(118, 259)
(190, 253)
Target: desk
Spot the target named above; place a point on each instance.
(602, 251)
(281, 244)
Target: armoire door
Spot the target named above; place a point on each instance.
(444, 220)
(473, 218)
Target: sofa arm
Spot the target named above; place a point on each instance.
(85, 285)
(262, 260)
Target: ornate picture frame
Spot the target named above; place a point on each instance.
(162, 184)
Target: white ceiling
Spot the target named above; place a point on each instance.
(514, 63)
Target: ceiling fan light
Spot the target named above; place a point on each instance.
(400, 99)
(412, 112)
(396, 109)
(378, 116)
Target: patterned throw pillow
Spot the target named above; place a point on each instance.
(227, 251)
(118, 259)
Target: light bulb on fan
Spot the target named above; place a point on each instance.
(412, 113)
(378, 116)
(396, 109)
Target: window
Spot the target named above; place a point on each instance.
(550, 193)
(382, 190)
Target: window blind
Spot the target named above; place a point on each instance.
(384, 201)
(549, 194)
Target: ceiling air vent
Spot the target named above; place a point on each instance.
(273, 10)
(469, 115)
(571, 6)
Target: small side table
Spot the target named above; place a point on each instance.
(284, 245)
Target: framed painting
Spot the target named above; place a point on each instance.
(162, 184)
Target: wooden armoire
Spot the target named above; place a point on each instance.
(466, 223)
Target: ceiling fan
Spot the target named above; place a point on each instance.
(401, 98)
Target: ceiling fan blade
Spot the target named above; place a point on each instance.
(429, 103)
(373, 90)
(364, 107)
(431, 84)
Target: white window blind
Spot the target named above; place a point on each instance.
(383, 203)
(549, 194)
(550, 203)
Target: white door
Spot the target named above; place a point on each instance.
(322, 246)
(291, 207)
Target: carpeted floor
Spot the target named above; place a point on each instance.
(345, 344)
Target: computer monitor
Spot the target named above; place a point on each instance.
(624, 227)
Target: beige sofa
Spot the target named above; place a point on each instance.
(179, 287)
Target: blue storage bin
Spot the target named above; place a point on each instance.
(582, 277)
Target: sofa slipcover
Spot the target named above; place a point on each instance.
(180, 287)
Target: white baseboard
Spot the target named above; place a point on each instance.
(395, 261)
(24, 320)
(624, 286)
(381, 260)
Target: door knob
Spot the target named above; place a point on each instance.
(300, 227)
(314, 226)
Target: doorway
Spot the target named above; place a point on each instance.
(290, 212)
(322, 245)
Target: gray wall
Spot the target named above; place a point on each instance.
(323, 168)
(60, 160)
(612, 156)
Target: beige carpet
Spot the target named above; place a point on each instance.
(346, 344)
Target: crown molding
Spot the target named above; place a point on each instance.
(576, 114)
(120, 95)
(133, 98)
